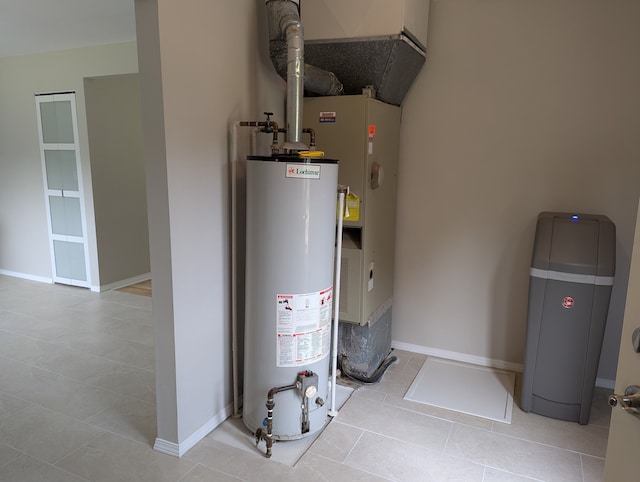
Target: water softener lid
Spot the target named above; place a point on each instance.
(581, 244)
(571, 277)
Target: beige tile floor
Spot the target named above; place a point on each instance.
(77, 403)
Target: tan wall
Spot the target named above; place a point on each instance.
(522, 107)
(24, 247)
(117, 171)
(211, 70)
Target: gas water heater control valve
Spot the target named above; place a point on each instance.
(307, 384)
(267, 121)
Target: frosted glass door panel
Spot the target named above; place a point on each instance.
(64, 196)
(70, 262)
(61, 170)
(65, 215)
(57, 122)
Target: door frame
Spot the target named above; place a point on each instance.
(75, 146)
(624, 429)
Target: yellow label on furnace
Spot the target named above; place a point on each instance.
(351, 208)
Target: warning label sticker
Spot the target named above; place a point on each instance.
(327, 117)
(303, 327)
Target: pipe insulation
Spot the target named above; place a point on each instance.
(286, 49)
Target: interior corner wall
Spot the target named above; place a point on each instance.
(152, 116)
(521, 107)
(118, 174)
(24, 246)
(198, 90)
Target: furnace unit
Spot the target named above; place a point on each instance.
(363, 133)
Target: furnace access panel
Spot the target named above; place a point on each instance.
(363, 134)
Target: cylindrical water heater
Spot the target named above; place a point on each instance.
(291, 220)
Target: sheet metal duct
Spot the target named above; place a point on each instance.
(381, 43)
(389, 63)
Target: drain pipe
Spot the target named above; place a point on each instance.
(342, 190)
(234, 268)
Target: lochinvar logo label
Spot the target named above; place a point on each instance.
(303, 171)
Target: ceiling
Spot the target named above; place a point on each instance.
(32, 26)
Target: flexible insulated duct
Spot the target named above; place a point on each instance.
(286, 48)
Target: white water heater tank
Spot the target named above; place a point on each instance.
(291, 220)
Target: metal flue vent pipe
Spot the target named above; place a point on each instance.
(286, 47)
(295, 83)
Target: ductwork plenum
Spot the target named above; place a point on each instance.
(286, 48)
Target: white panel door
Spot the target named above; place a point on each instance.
(624, 433)
(60, 153)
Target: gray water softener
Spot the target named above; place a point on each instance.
(571, 277)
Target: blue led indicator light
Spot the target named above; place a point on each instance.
(574, 217)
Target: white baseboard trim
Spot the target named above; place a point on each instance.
(461, 357)
(126, 282)
(605, 383)
(179, 449)
(481, 361)
(168, 448)
(41, 279)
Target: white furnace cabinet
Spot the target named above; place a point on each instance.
(363, 134)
